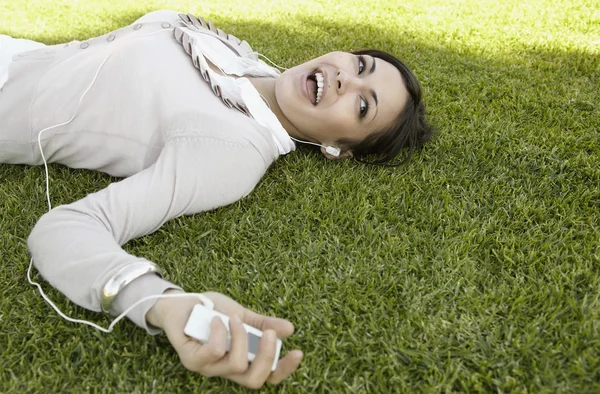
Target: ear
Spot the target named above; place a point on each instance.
(347, 154)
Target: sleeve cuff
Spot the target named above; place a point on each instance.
(146, 285)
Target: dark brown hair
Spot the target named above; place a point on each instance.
(410, 130)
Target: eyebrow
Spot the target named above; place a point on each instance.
(373, 94)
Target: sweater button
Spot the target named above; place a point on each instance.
(166, 25)
(84, 45)
(111, 38)
(137, 27)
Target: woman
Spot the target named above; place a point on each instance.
(191, 120)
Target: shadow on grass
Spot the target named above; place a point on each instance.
(493, 105)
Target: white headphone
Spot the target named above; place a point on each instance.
(332, 150)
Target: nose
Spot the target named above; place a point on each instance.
(344, 81)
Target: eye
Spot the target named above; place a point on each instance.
(361, 64)
(364, 108)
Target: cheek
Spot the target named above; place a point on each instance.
(338, 123)
(335, 127)
(340, 118)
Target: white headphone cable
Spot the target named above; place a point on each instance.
(270, 61)
(332, 150)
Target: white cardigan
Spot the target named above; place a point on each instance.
(149, 117)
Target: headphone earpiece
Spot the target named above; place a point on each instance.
(333, 150)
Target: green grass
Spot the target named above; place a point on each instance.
(475, 268)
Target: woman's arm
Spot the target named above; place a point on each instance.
(77, 247)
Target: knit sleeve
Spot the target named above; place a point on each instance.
(77, 247)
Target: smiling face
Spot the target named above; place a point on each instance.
(340, 96)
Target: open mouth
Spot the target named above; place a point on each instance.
(314, 85)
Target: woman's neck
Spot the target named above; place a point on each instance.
(266, 88)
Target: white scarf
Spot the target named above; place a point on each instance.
(203, 42)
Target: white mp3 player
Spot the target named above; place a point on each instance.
(198, 327)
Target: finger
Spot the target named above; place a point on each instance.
(260, 369)
(282, 327)
(212, 351)
(286, 366)
(236, 360)
(216, 347)
(225, 304)
(230, 307)
(238, 354)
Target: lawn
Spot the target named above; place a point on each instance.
(473, 268)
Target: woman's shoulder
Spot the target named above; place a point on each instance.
(159, 16)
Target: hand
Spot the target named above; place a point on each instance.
(211, 359)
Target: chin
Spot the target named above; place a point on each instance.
(285, 94)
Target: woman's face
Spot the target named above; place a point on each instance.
(360, 95)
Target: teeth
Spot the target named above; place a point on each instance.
(320, 79)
